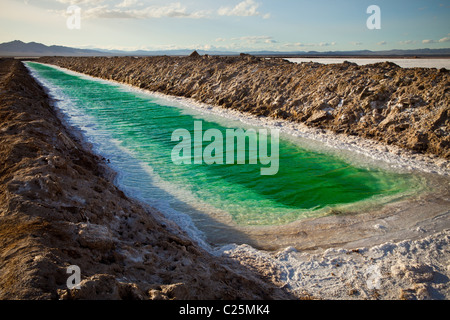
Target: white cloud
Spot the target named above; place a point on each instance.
(405, 42)
(104, 12)
(442, 40)
(114, 47)
(252, 38)
(246, 8)
(173, 10)
(255, 39)
(127, 4)
(326, 44)
(205, 47)
(382, 43)
(302, 45)
(69, 2)
(291, 45)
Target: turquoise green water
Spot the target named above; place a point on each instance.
(137, 125)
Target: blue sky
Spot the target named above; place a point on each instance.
(236, 25)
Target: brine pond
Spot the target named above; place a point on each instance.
(135, 131)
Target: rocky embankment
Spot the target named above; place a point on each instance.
(408, 108)
(59, 207)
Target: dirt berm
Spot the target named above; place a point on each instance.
(408, 108)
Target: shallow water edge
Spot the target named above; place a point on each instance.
(334, 229)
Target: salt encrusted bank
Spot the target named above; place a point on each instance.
(382, 102)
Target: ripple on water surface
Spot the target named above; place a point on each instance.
(134, 130)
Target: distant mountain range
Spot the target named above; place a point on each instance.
(33, 49)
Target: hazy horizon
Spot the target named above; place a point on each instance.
(229, 25)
